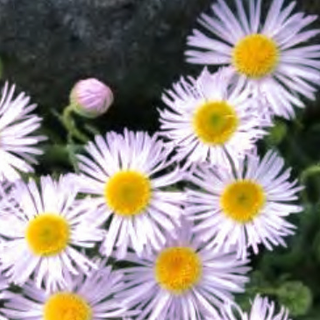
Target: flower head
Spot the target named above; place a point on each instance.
(245, 206)
(43, 232)
(268, 57)
(87, 296)
(3, 282)
(3, 286)
(261, 309)
(209, 116)
(18, 145)
(127, 176)
(182, 280)
(90, 98)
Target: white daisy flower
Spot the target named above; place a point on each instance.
(182, 280)
(271, 58)
(44, 232)
(128, 174)
(3, 282)
(18, 145)
(210, 115)
(245, 206)
(85, 297)
(261, 309)
(3, 285)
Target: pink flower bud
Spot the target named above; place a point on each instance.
(90, 98)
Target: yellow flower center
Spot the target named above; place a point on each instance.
(255, 56)
(177, 269)
(128, 192)
(242, 200)
(214, 122)
(47, 234)
(67, 306)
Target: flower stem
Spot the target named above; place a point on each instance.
(70, 125)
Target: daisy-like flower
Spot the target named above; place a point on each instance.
(245, 206)
(18, 145)
(44, 231)
(210, 115)
(183, 280)
(270, 58)
(128, 174)
(3, 286)
(3, 282)
(261, 309)
(86, 297)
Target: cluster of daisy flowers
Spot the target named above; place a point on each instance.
(179, 212)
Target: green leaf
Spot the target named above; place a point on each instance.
(295, 296)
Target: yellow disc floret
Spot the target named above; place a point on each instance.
(255, 56)
(128, 192)
(242, 200)
(178, 269)
(47, 234)
(66, 306)
(214, 122)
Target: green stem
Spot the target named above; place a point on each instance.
(70, 125)
(72, 155)
(310, 171)
(305, 175)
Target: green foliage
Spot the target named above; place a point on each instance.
(276, 133)
(295, 296)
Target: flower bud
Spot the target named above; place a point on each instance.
(90, 98)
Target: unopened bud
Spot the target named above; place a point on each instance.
(90, 98)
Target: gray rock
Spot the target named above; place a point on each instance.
(135, 46)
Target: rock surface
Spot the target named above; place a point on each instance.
(136, 46)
